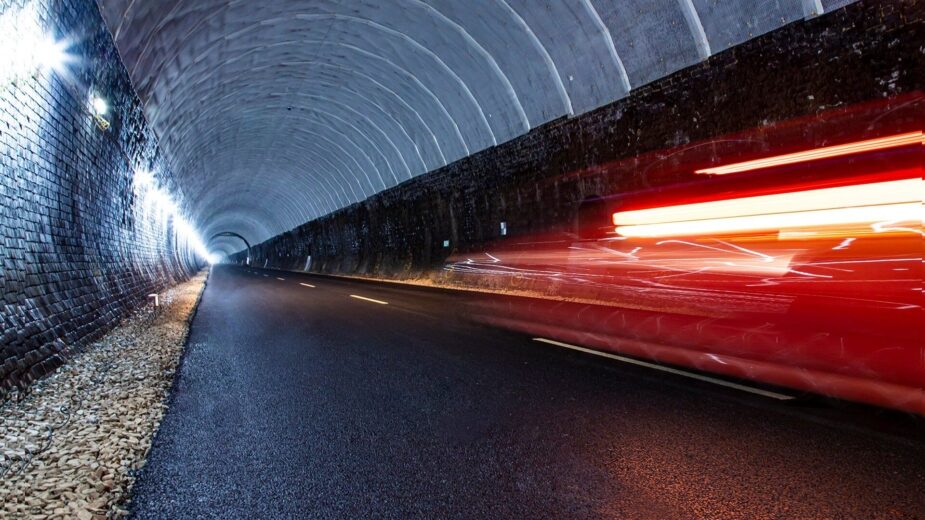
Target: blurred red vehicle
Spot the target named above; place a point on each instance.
(802, 269)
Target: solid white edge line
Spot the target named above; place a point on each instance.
(720, 382)
(368, 299)
(307, 285)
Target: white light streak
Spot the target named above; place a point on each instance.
(874, 203)
(826, 152)
(844, 244)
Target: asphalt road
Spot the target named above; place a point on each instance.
(304, 402)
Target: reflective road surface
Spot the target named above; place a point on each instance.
(310, 397)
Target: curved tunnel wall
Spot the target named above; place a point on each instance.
(866, 51)
(277, 112)
(80, 244)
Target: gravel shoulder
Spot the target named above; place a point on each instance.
(72, 446)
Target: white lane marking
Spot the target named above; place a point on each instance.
(699, 377)
(266, 276)
(307, 285)
(281, 279)
(368, 299)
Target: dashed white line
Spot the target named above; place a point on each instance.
(307, 285)
(358, 297)
(699, 377)
(281, 279)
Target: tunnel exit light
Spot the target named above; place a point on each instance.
(815, 154)
(874, 203)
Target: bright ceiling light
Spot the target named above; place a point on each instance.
(815, 154)
(894, 201)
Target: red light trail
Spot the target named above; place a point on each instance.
(827, 152)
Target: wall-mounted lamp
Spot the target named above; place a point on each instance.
(144, 178)
(99, 107)
(25, 48)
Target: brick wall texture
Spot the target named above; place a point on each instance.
(871, 50)
(79, 246)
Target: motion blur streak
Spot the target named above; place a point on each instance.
(827, 152)
(895, 201)
(807, 276)
(881, 193)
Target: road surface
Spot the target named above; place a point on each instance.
(306, 397)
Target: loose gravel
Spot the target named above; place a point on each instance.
(72, 446)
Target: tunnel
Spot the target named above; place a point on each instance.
(461, 258)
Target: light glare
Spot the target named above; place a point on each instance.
(100, 107)
(25, 48)
(163, 203)
(895, 201)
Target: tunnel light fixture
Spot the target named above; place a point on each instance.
(874, 203)
(503, 228)
(144, 178)
(163, 203)
(100, 107)
(827, 152)
(25, 48)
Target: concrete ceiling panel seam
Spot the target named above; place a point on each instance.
(219, 107)
(302, 130)
(696, 27)
(492, 63)
(421, 48)
(254, 221)
(198, 151)
(436, 13)
(219, 163)
(547, 59)
(306, 108)
(221, 216)
(219, 192)
(812, 8)
(158, 72)
(190, 96)
(611, 47)
(290, 202)
(364, 194)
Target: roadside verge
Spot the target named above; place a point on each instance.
(71, 448)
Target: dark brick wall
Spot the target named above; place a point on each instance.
(866, 51)
(78, 248)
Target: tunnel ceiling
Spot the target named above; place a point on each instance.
(274, 112)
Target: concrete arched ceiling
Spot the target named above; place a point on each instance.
(275, 112)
